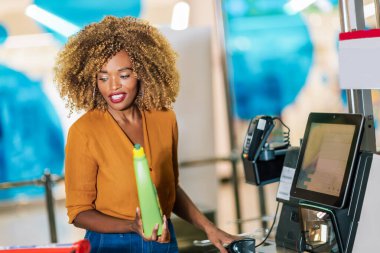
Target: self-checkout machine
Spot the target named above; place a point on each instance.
(322, 183)
(329, 186)
(359, 54)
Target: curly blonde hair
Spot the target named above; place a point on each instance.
(83, 56)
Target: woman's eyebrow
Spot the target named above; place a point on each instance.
(119, 70)
(125, 68)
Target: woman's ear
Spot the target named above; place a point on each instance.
(139, 84)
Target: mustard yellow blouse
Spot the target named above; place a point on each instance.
(99, 170)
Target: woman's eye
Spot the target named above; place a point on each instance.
(124, 76)
(103, 79)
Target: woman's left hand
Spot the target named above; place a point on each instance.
(219, 238)
(163, 238)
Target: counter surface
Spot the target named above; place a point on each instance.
(270, 247)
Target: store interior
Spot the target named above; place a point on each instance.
(237, 59)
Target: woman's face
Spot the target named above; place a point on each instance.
(118, 83)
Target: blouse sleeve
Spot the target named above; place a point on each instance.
(80, 175)
(175, 150)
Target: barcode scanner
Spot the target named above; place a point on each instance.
(246, 245)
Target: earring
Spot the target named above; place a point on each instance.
(94, 94)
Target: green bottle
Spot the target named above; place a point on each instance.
(149, 205)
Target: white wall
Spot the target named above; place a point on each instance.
(195, 115)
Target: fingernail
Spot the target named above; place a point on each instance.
(156, 226)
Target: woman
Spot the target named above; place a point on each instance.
(122, 72)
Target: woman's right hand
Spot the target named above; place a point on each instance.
(138, 228)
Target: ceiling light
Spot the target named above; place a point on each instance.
(295, 6)
(51, 21)
(180, 16)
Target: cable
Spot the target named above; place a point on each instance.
(270, 230)
(282, 123)
(285, 134)
(287, 140)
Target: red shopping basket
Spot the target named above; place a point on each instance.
(82, 246)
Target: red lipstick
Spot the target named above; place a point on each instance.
(117, 97)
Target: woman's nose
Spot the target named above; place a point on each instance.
(115, 83)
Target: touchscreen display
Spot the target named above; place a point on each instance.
(325, 159)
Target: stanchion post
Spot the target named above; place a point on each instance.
(229, 108)
(50, 205)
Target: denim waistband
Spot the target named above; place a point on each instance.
(130, 243)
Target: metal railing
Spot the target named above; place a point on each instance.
(233, 159)
(47, 180)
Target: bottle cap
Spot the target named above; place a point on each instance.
(138, 151)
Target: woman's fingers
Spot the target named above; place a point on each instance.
(138, 228)
(165, 236)
(219, 238)
(154, 233)
(220, 247)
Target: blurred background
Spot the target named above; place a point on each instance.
(276, 57)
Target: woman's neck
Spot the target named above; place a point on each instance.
(127, 116)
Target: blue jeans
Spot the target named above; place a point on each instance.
(129, 243)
